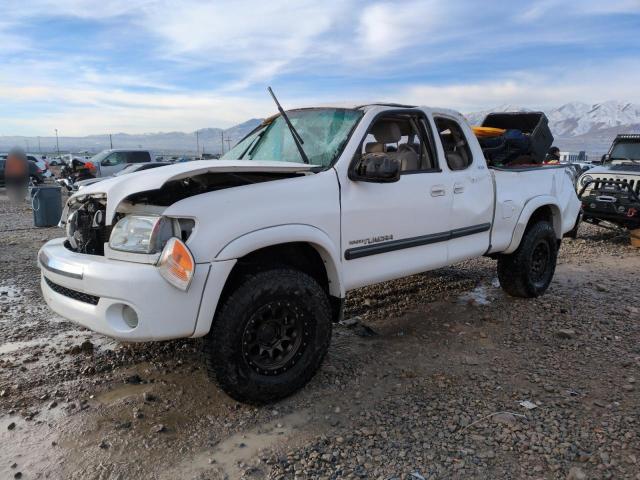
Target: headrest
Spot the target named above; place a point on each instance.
(374, 147)
(386, 132)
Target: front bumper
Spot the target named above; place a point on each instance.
(614, 201)
(616, 209)
(92, 290)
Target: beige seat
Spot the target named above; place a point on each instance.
(386, 132)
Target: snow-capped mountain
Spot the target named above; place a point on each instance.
(576, 118)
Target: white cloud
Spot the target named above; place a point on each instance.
(324, 51)
(87, 111)
(543, 8)
(387, 27)
(552, 88)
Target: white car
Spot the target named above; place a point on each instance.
(256, 252)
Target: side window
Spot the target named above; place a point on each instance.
(402, 137)
(116, 158)
(138, 157)
(455, 145)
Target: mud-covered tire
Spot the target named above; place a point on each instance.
(528, 271)
(260, 311)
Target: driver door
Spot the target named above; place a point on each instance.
(391, 230)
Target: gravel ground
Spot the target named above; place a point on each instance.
(426, 380)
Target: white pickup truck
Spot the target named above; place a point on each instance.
(255, 252)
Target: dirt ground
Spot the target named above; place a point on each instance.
(426, 381)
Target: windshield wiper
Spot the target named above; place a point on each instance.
(297, 139)
(252, 146)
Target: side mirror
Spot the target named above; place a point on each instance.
(605, 158)
(377, 168)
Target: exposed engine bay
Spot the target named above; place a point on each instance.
(86, 225)
(86, 228)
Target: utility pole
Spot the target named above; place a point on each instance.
(39, 147)
(57, 144)
(228, 140)
(110, 142)
(221, 142)
(197, 143)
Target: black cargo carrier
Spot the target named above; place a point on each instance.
(537, 135)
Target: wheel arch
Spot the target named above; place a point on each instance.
(290, 240)
(294, 241)
(539, 208)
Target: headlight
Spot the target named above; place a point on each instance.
(585, 179)
(141, 233)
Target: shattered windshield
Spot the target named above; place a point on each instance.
(626, 151)
(323, 130)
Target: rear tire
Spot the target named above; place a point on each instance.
(528, 271)
(269, 336)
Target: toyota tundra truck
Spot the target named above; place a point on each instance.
(256, 251)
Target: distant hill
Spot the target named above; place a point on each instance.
(576, 126)
(209, 140)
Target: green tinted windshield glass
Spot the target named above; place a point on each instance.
(323, 130)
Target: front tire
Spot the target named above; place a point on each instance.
(269, 336)
(528, 271)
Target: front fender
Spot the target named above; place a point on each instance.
(289, 233)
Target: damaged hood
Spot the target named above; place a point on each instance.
(118, 188)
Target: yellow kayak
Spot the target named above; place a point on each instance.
(486, 132)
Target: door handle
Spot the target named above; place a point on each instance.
(438, 191)
(458, 188)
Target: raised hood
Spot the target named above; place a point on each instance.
(118, 188)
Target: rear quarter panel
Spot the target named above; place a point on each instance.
(520, 192)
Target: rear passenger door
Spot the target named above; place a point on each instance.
(138, 157)
(471, 186)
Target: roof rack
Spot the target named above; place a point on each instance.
(628, 136)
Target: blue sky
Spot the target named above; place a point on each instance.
(88, 66)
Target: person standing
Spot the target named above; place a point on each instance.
(553, 156)
(16, 173)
